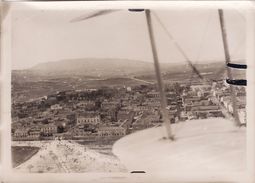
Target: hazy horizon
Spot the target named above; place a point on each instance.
(42, 36)
(161, 62)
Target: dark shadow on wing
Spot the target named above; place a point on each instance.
(93, 15)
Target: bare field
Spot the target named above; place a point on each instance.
(67, 157)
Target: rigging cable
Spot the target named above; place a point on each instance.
(180, 50)
(201, 42)
(178, 47)
(178, 127)
(196, 71)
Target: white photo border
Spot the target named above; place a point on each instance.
(9, 175)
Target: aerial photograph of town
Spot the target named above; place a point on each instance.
(82, 101)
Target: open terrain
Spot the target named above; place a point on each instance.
(68, 157)
(79, 74)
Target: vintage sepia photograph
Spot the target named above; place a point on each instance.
(128, 90)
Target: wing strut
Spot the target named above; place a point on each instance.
(159, 77)
(227, 59)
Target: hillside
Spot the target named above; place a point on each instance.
(96, 67)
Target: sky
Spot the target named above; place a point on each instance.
(46, 35)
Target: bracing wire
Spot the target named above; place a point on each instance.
(178, 46)
(202, 41)
(181, 50)
(177, 128)
(196, 71)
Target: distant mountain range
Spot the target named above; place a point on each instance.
(95, 67)
(113, 67)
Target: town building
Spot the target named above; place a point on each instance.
(34, 132)
(153, 94)
(111, 132)
(88, 118)
(107, 105)
(242, 116)
(48, 129)
(21, 133)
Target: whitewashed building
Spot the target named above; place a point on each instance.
(88, 118)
